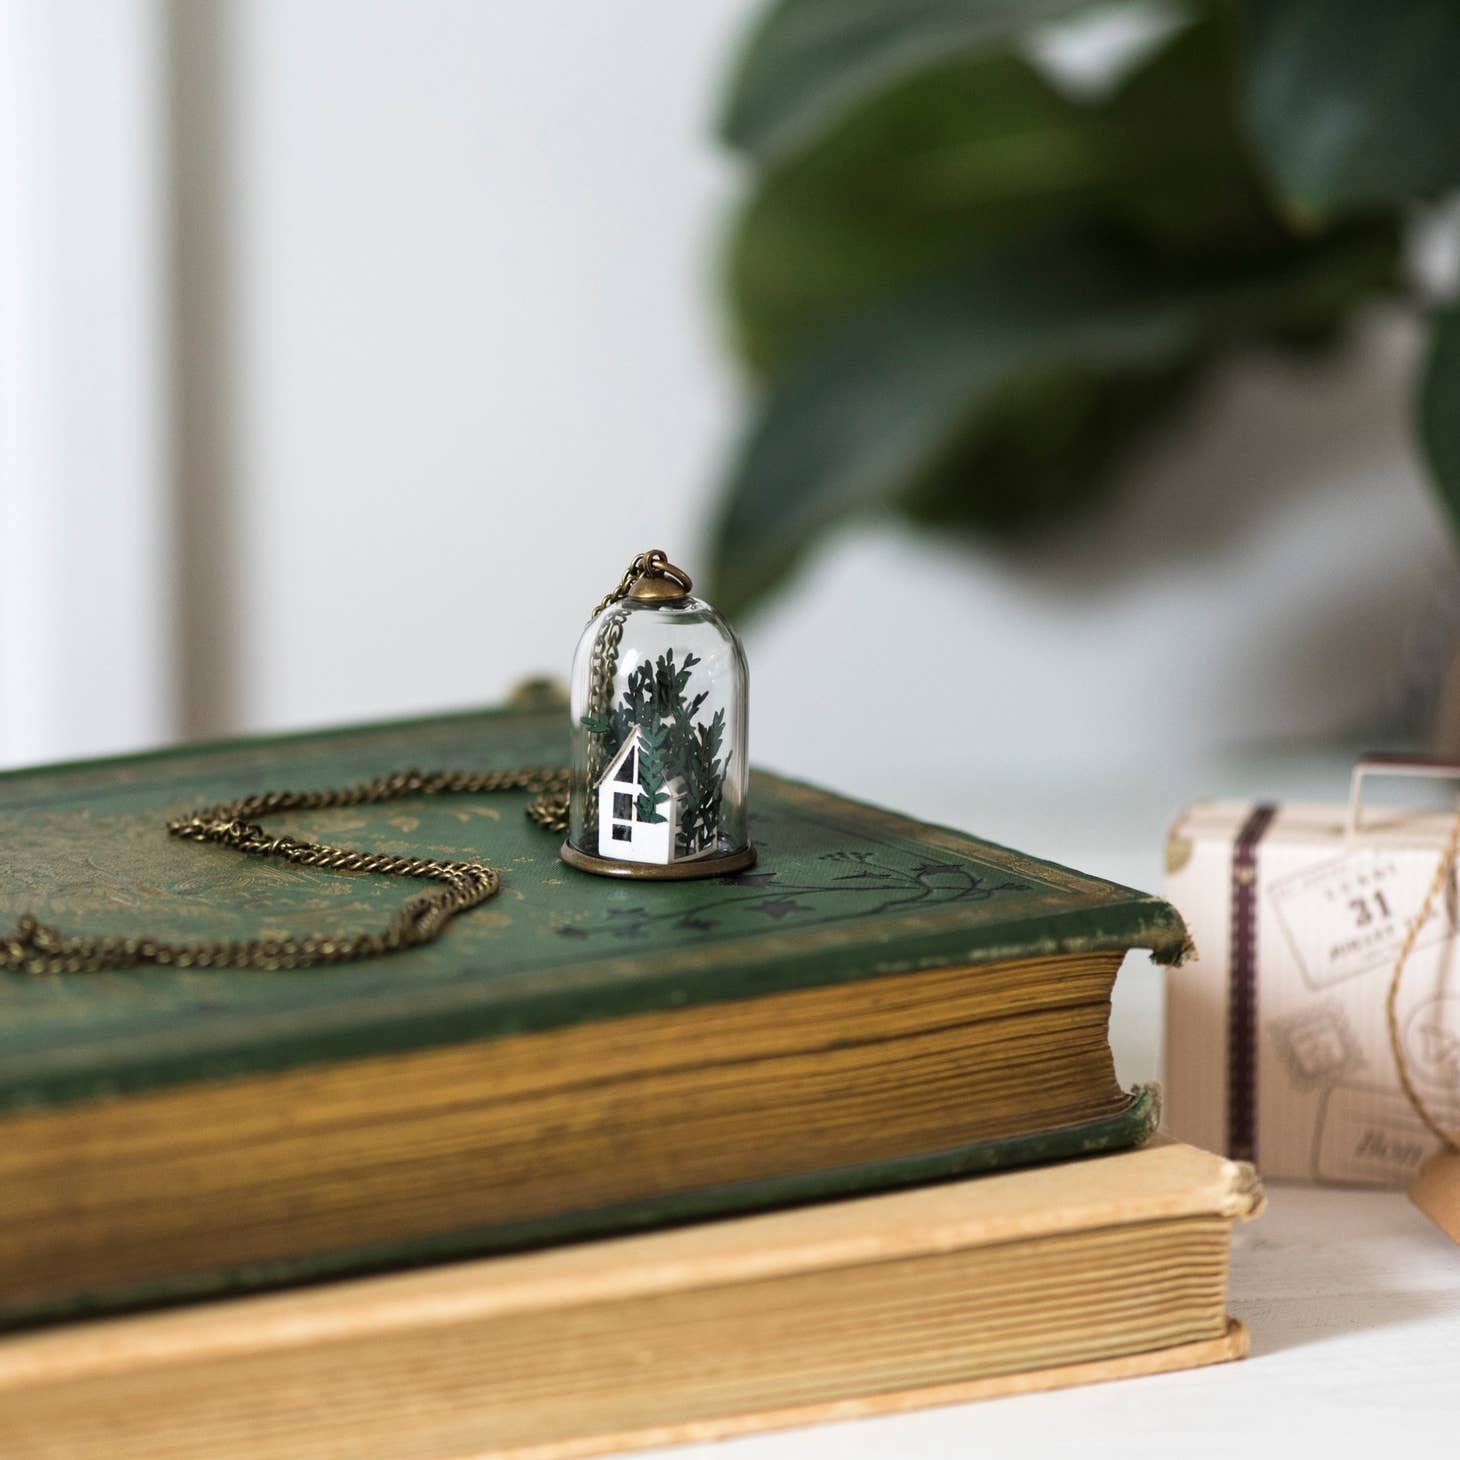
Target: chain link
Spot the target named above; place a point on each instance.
(34, 948)
(642, 563)
(37, 949)
(603, 666)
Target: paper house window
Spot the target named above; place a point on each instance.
(659, 736)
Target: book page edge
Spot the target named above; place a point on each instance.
(1231, 1345)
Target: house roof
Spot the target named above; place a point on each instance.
(619, 756)
(675, 787)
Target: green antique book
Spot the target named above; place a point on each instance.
(877, 1002)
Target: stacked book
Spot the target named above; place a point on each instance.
(610, 1165)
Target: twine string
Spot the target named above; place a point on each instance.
(1449, 1139)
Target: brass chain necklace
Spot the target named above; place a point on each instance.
(34, 948)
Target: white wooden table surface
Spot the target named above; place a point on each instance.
(1352, 1297)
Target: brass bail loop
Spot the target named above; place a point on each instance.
(659, 581)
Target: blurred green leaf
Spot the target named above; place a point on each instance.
(1052, 445)
(1005, 394)
(809, 60)
(1048, 448)
(870, 411)
(1439, 408)
(923, 175)
(1355, 102)
(975, 295)
(966, 154)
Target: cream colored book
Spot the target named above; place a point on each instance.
(1095, 1269)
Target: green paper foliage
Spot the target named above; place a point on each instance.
(673, 745)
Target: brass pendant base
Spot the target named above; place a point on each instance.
(723, 866)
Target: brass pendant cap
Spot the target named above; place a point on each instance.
(662, 582)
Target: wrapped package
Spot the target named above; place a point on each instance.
(1278, 1046)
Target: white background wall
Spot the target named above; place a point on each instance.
(85, 646)
(352, 346)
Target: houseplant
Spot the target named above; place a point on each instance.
(970, 290)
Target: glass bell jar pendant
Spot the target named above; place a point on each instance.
(659, 734)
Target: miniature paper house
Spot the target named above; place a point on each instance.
(622, 832)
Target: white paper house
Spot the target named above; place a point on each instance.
(620, 832)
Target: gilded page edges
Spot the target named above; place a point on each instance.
(1165, 1181)
(1227, 1348)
